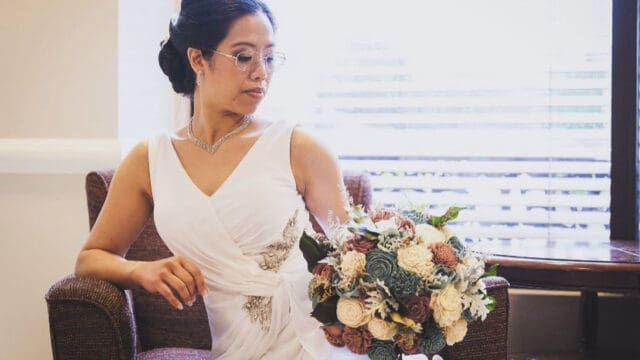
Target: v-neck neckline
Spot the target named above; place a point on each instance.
(240, 164)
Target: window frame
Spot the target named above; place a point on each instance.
(624, 121)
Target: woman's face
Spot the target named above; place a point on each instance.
(226, 87)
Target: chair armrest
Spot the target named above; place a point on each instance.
(90, 319)
(487, 340)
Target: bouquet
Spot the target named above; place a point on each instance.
(392, 282)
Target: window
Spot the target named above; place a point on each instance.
(499, 106)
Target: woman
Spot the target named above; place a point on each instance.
(229, 193)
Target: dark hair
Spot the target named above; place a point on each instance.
(201, 24)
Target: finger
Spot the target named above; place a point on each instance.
(166, 292)
(188, 280)
(197, 276)
(179, 287)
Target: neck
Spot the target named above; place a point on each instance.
(209, 128)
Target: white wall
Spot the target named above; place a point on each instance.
(58, 103)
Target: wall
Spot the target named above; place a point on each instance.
(58, 98)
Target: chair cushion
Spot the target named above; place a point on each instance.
(175, 354)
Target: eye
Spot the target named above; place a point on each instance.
(269, 59)
(244, 57)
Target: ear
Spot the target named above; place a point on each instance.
(196, 60)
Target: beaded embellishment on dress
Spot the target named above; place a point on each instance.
(259, 307)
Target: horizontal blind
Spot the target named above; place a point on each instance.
(502, 107)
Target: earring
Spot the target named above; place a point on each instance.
(199, 75)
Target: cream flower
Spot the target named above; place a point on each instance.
(456, 332)
(417, 259)
(446, 305)
(383, 330)
(427, 234)
(353, 263)
(384, 225)
(351, 312)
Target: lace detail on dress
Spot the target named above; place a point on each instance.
(259, 307)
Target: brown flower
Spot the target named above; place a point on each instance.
(444, 254)
(358, 340)
(406, 224)
(333, 333)
(323, 270)
(418, 307)
(360, 244)
(407, 341)
(381, 214)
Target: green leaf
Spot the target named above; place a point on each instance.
(311, 250)
(493, 271)
(457, 245)
(435, 221)
(325, 312)
(492, 305)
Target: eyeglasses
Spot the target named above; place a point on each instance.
(248, 59)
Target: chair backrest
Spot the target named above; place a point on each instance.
(158, 324)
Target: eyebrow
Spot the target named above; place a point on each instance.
(244, 43)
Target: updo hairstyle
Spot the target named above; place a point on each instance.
(201, 24)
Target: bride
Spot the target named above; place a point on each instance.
(230, 193)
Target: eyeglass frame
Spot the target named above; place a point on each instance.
(269, 68)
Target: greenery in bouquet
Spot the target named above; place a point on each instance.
(391, 282)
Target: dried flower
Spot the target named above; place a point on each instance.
(418, 308)
(446, 305)
(333, 334)
(407, 341)
(353, 263)
(382, 330)
(381, 264)
(417, 259)
(379, 214)
(456, 332)
(444, 254)
(351, 312)
(381, 350)
(324, 271)
(358, 340)
(427, 234)
(360, 244)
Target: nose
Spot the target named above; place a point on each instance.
(260, 70)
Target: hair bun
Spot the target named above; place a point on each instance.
(177, 70)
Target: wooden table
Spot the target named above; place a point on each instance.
(588, 267)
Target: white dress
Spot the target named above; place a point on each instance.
(244, 238)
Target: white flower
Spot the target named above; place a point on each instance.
(353, 263)
(417, 259)
(351, 312)
(341, 234)
(384, 225)
(380, 329)
(427, 234)
(476, 302)
(469, 271)
(446, 305)
(456, 332)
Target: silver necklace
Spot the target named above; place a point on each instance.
(214, 147)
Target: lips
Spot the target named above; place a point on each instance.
(255, 92)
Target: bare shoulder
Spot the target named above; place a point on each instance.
(305, 146)
(133, 171)
(311, 160)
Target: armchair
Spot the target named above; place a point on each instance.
(94, 319)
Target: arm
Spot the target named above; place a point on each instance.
(318, 179)
(126, 209)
